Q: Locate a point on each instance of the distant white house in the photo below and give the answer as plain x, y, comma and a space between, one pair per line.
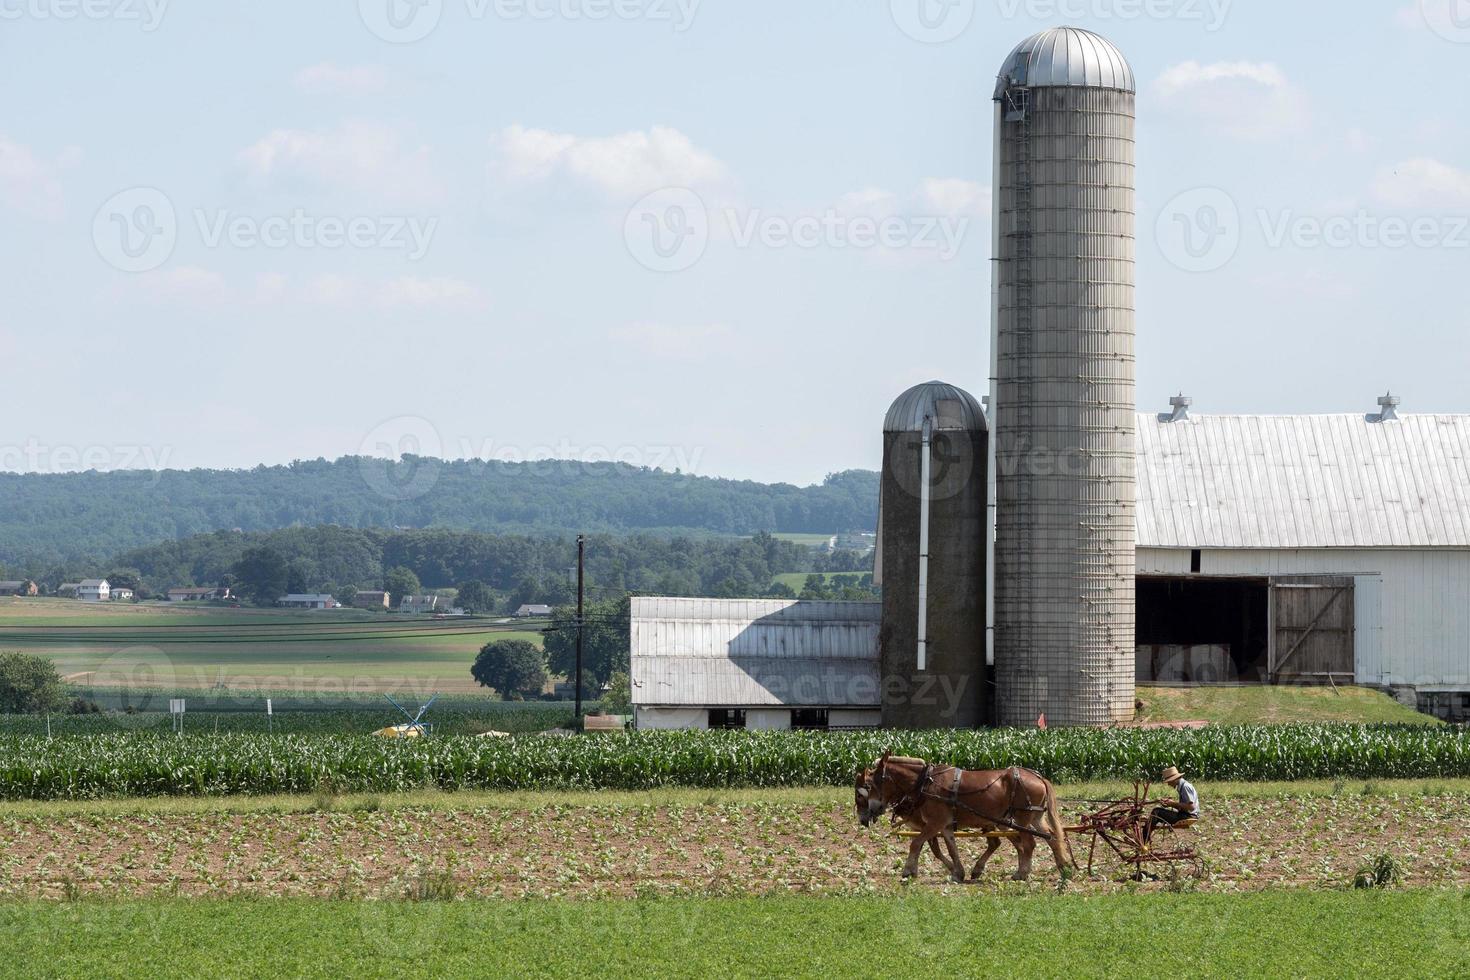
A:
532, 609
122, 595
420, 604
93, 590
309, 601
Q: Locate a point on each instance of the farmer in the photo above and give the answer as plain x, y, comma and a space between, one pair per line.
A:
1171, 812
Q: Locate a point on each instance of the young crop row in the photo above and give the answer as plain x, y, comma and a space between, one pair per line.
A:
133, 764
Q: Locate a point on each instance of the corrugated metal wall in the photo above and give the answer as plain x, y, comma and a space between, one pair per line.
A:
1064, 432
1411, 606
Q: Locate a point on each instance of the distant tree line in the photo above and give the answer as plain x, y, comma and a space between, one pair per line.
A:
72, 520
491, 572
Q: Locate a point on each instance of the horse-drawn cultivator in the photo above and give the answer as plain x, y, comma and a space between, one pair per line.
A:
1124, 826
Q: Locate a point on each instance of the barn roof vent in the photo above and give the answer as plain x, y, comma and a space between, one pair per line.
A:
1387, 409
1179, 409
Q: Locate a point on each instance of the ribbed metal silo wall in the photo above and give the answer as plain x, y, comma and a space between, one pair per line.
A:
949, 692
1064, 418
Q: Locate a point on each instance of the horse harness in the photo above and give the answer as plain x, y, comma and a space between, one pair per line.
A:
915, 797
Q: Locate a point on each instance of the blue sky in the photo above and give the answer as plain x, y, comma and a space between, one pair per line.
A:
251, 232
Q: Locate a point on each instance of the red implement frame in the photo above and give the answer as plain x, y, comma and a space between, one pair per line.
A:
1123, 826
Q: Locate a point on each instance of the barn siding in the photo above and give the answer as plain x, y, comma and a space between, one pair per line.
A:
1419, 632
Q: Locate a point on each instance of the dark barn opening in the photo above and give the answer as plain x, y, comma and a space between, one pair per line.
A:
1202, 630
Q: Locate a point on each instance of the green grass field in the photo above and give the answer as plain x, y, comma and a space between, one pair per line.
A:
796, 580
1417, 933
1274, 705
326, 652
796, 537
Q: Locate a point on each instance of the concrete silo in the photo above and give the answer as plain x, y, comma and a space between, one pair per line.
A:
932, 529
1062, 382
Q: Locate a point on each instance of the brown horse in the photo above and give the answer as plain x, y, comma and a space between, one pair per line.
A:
936, 799
952, 863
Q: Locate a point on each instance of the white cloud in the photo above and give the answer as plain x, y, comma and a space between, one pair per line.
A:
1244, 99
436, 292
1423, 183
358, 156
429, 293
870, 202
29, 185
203, 287
941, 197
683, 343
329, 79
954, 196
628, 164
187, 284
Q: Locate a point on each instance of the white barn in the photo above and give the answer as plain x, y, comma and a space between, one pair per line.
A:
1314, 548
754, 663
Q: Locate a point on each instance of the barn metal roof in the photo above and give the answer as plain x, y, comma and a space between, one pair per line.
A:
1065, 57
1304, 481
756, 652
951, 408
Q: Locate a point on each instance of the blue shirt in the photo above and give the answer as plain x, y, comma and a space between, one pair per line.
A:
1189, 797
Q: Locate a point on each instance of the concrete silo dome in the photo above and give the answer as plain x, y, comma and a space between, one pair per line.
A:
1065, 57
951, 408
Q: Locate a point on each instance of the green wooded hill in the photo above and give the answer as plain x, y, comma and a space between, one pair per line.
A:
92, 516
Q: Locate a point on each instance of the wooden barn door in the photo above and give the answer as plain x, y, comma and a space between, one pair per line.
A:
1312, 629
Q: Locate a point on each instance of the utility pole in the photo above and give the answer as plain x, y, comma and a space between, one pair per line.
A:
581, 549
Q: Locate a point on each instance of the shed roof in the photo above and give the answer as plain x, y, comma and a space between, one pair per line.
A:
1304, 481
754, 652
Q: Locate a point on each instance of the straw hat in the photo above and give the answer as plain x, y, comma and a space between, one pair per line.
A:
1171, 775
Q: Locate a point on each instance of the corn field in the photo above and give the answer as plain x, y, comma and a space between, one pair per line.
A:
157, 763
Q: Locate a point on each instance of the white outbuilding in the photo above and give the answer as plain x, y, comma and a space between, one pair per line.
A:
754, 663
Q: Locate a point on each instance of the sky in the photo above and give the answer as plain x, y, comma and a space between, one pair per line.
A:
713, 235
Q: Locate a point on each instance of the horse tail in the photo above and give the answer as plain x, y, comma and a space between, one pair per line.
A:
1053, 811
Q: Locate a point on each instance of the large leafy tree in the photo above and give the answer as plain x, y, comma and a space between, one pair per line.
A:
475, 597
605, 642
514, 668
400, 582
29, 685
262, 574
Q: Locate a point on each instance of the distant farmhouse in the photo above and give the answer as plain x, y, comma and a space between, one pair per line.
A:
68, 590
532, 609
420, 604
309, 601
93, 590
121, 595
196, 594
23, 587
370, 599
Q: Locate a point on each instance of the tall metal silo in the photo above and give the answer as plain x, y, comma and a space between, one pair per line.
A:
1062, 382
932, 530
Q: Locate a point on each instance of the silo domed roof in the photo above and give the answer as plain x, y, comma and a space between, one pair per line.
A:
1066, 57
951, 408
